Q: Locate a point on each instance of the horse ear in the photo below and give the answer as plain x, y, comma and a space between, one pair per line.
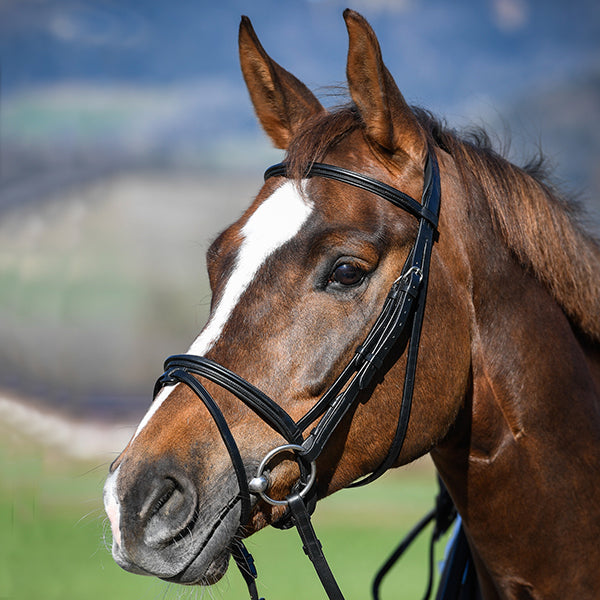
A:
281, 101
390, 122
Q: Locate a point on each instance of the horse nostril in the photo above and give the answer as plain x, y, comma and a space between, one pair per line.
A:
169, 511
170, 499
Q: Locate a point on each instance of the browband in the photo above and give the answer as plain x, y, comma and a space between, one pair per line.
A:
387, 192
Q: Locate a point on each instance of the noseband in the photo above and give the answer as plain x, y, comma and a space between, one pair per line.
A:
400, 317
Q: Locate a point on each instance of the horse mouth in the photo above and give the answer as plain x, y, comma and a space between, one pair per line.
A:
197, 571
198, 556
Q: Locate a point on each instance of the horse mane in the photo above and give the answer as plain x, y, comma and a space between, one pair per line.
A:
538, 224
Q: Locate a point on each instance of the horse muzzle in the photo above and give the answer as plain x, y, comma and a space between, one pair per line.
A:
163, 527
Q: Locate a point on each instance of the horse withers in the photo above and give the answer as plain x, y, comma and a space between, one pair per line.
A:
306, 373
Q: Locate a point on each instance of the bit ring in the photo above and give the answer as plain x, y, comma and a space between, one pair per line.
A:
260, 484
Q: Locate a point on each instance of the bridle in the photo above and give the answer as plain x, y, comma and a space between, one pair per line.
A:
400, 318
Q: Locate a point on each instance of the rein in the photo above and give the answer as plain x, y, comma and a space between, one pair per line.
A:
401, 317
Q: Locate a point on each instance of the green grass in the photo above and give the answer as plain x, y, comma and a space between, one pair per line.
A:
55, 539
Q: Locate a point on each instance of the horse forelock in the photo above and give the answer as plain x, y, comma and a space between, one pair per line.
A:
317, 136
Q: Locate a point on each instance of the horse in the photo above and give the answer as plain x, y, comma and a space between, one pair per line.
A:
321, 364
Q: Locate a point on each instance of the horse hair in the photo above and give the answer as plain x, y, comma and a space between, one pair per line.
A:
537, 223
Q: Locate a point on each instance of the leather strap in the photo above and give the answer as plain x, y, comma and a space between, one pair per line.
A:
312, 546
226, 436
245, 563
275, 416
443, 515
387, 192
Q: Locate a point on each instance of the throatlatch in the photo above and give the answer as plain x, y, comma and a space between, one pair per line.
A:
403, 307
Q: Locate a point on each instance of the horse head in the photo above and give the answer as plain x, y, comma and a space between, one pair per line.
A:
298, 282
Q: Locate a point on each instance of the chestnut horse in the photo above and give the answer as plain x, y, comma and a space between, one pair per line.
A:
506, 392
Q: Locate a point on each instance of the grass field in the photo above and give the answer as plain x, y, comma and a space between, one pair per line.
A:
55, 539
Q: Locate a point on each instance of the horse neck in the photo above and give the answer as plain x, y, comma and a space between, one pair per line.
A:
523, 459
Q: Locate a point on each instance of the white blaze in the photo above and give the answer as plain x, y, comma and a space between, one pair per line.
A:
275, 222
112, 505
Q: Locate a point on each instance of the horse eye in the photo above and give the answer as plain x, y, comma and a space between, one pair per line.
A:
347, 274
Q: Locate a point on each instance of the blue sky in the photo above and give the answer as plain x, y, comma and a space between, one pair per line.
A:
440, 51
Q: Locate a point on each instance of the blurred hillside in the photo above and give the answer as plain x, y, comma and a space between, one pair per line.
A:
127, 142
101, 282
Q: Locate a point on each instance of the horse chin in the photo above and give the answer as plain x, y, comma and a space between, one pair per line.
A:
197, 574
207, 568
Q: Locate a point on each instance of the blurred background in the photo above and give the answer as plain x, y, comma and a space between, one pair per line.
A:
127, 142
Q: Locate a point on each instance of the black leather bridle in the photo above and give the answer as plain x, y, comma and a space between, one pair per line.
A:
400, 317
